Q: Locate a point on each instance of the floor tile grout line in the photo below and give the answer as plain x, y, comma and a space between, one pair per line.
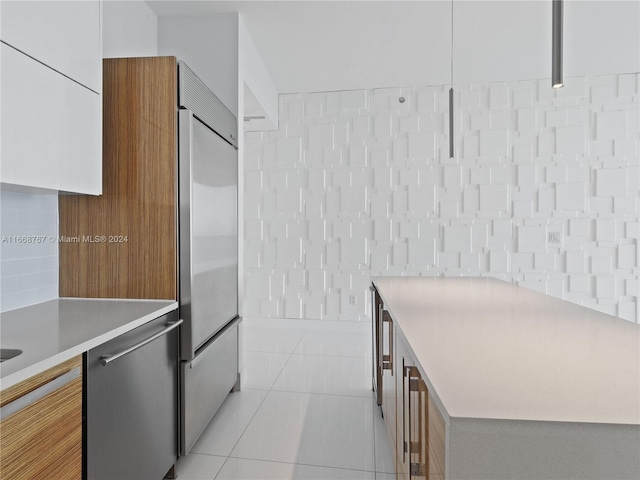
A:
221, 468
205, 454
243, 431
271, 389
314, 324
245, 428
281, 353
257, 409
321, 393
286, 362
367, 357
318, 356
323, 355
377, 411
304, 464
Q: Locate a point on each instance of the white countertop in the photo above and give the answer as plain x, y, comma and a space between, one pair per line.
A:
51, 332
494, 350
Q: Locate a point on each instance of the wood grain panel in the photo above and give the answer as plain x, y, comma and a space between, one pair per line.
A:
403, 360
8, 395
44, 440
436, 442
139, 200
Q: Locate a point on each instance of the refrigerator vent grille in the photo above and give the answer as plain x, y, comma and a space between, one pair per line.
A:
197, 97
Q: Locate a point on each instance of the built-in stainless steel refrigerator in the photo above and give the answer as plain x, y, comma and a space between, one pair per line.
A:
208, 245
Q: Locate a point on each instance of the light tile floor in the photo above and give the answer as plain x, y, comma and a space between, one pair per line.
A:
306, 409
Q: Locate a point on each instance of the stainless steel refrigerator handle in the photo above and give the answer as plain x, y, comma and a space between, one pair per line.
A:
39, 393
236, 321
107, 359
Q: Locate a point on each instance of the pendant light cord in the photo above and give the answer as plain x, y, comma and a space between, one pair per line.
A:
451, 126
451, 43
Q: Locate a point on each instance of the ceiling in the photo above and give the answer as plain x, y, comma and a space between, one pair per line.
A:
311, 46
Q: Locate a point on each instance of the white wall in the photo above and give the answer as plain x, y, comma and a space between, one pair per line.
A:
355, 184
208, 44
129, 29
257, 95
255, 78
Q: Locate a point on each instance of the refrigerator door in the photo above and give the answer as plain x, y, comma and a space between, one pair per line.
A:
210, 376
208, 185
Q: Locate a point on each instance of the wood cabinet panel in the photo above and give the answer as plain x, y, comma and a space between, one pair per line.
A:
404, 360
436, 442
425, 434
44, 439
135, 220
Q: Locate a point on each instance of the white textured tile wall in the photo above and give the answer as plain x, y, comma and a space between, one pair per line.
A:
28, 248
544, 191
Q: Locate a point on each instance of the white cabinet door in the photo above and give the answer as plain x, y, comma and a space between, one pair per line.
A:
65, 35
50, 128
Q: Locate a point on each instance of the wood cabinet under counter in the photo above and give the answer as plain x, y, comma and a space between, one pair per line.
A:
41, 426
494, 381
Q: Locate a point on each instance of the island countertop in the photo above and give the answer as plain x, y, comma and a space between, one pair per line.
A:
493, 350
51, 332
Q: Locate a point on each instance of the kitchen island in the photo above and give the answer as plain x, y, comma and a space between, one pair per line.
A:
527, 386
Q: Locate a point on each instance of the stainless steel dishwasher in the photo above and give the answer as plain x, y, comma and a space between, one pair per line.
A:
132, 403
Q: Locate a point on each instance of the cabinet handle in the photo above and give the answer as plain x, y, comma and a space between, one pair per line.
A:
405, 371
412, 387
420, 446
387, 360
409, 441
377, 338
421, 467
37, 394
107, 359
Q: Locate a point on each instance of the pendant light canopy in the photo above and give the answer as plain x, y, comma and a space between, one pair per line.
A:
557, 77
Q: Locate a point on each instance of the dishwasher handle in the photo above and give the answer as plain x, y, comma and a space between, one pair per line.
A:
107, 359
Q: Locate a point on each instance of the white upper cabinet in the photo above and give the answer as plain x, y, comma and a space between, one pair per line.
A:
50, 84
51, 128
63, 35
